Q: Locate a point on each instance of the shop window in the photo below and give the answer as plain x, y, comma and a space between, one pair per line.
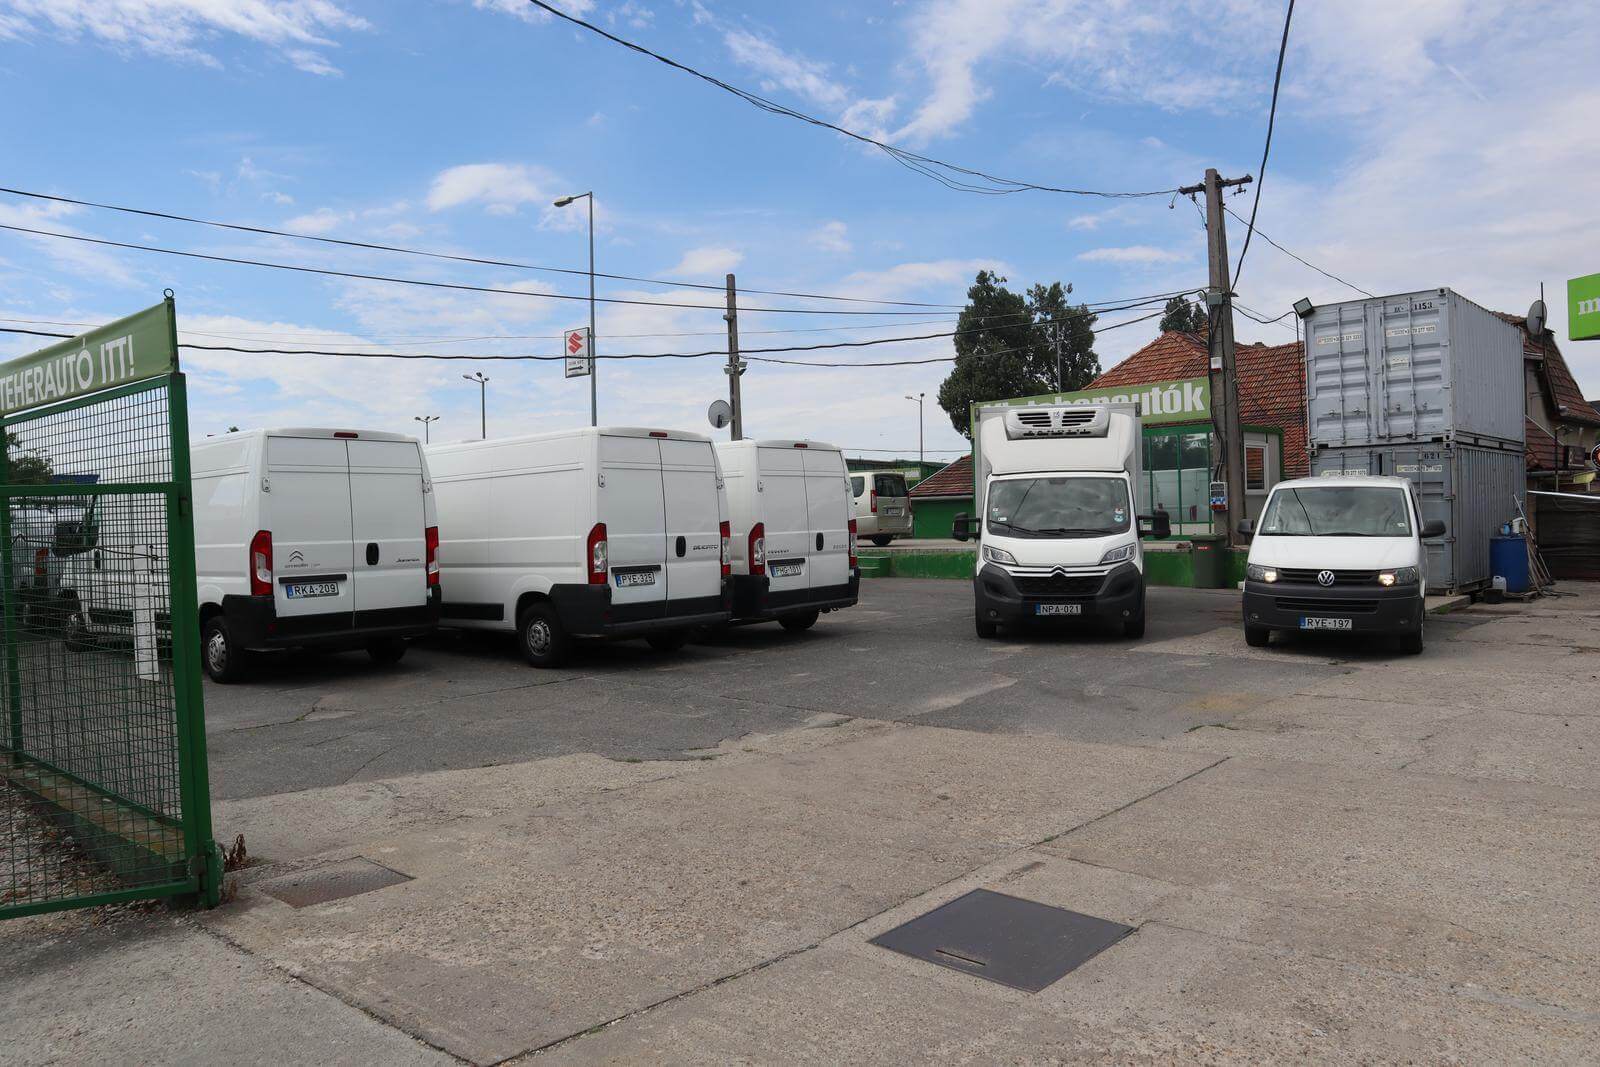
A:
1255, 468
1178, 473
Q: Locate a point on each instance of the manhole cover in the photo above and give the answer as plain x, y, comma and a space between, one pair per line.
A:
332, 881
1019, 943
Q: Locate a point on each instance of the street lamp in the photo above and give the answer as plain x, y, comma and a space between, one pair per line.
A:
426, 421
918, 399
483, 400
594, 410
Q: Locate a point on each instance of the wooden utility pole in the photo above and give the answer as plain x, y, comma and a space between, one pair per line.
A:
735, 367
1219, 339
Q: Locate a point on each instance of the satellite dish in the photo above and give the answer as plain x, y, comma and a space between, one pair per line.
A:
1537, 317
719, 414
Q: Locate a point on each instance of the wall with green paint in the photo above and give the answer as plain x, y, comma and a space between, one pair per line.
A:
933, 518
1168, 568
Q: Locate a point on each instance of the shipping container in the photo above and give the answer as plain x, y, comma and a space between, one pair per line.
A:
1472, 490
1428, 366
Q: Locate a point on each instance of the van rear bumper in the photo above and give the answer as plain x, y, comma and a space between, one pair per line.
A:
587, 611
1371, 609
997, 599
754, 601
255, 624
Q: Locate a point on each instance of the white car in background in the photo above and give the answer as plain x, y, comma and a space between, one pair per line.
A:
882, 506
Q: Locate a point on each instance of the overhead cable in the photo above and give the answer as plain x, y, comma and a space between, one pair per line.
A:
1266, 149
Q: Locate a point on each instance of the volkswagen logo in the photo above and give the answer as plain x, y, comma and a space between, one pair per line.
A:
1324, 578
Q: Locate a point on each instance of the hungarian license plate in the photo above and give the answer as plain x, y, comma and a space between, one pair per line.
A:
1058, 609
1309, 623
627, 578
891, 511
786, 570
306, 590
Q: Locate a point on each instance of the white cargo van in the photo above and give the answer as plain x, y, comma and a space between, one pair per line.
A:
303, 538
598, 532
1340, 554
794, 540
882, 505
1057, 535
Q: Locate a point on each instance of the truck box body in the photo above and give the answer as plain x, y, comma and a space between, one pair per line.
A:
1425, 366
1055, 447
789, 511
1471, 489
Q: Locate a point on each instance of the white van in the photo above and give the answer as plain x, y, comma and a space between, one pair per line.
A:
598, 532
794, 540
882, 505
1340, 554
303, 538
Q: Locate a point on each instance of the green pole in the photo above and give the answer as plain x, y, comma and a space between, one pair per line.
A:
13, 669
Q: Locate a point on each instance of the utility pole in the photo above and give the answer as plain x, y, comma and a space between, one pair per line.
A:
919, 398
735, 367
1219, 340
1061, 376
483, 400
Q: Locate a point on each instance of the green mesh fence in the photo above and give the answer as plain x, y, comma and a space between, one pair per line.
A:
103, 792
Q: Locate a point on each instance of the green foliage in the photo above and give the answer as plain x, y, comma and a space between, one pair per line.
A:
26, 467
1183, 316
1005, 346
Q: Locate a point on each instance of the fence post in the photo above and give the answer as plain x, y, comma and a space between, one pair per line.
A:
9, 593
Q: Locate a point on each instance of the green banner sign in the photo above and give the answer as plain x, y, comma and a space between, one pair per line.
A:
140, 346
1179, 400
1583, 308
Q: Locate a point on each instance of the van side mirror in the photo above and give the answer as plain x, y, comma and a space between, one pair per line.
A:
1433, 528
961, 528
1247, 528
1160, 525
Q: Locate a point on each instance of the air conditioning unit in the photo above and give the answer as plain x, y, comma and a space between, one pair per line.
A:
1064, 420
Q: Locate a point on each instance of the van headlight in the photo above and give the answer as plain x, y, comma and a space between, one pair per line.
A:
1257, 573
1398, 576
1119, 555
998, 555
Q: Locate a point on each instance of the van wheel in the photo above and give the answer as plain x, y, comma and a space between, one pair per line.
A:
76, 632
544, 642
668, 641
1257, 636
985, 629
880, 539
1134, 627
1411, 644
805, 620
389, 650
224, 661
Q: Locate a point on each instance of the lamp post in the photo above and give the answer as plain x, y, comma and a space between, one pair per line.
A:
918, 398
427, 421
594, 409
483, 401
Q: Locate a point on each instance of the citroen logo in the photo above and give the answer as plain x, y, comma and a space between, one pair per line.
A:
1324, 577
1058, 573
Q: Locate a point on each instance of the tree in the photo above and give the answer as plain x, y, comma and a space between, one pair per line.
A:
1182, 316
1005, 346
26, 467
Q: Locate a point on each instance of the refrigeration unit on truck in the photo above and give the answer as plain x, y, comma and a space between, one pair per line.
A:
598, 532
1058, 537
793, 537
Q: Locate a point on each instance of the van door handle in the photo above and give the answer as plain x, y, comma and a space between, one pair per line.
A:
372, 553
682, 546
819, 542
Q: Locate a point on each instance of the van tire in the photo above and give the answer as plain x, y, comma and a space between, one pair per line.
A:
75, 631
389, 650
1257, 636
224, 661
881, 539
667, 640
1134, 628
801, 621
1412, 644
984, 628
542, 638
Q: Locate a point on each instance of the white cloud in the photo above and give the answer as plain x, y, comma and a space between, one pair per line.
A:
1141, 254
1087, 222
299, 30
701, 261
317, 222
780, 69
528, 13
940, 281
499, 187
832, 237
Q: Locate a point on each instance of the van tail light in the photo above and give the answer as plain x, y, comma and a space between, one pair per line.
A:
758, 548
431, 536
852, 543
261, 563
596, 552
41, 565
727, 547
874, 501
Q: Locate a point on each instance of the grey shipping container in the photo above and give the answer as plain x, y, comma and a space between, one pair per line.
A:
1471, 489
1428, 366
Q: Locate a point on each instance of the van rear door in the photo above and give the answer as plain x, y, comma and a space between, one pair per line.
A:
788, 526
388, 528
828, 508
306, 507
693, 510
634, 512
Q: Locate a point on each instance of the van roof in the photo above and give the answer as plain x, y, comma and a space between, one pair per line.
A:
312, 431
780, 442
1375, 480
584, 431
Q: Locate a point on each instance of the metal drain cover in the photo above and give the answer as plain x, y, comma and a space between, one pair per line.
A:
1018, 943
331, 881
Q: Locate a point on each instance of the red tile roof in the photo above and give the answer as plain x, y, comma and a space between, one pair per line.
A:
1272, 384
1569, 401
954, 479
1540, 451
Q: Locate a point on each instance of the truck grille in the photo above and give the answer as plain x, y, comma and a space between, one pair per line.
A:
1059, 584
1308, 576
1326, 605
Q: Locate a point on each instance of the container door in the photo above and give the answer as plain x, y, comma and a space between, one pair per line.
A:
387, 521
788, 522
694, 519
632, 508
307, 509
1431, 471
1339, 405
829, 508
1409, 375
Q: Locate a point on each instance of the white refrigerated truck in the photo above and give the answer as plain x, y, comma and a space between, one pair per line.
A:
1058, 538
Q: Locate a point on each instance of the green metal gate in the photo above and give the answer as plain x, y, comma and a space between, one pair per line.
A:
104, 792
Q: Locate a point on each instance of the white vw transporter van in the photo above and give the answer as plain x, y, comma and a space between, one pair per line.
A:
1055, 488
598, 532
1338, 553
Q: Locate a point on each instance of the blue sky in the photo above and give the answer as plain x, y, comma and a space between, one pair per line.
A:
1450, 143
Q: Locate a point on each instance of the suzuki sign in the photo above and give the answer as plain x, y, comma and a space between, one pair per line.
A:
578, 347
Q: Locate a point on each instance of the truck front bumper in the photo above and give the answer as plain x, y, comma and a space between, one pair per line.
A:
754, 601
587, 611
255, 624
1003, 599
1371, 609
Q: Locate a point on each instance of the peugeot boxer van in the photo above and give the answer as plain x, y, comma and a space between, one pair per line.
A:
1338, 554
598, 532
793, 539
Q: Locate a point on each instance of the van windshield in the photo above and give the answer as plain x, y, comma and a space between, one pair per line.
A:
889, 484
1058, 507
1337, 511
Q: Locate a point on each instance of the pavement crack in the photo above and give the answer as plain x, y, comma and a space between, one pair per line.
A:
1136, 800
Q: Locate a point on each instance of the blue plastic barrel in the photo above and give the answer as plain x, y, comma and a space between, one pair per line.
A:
1508, 559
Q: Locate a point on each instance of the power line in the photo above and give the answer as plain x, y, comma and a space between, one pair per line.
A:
1266, 149
939, 170
1305, 263
480, 260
